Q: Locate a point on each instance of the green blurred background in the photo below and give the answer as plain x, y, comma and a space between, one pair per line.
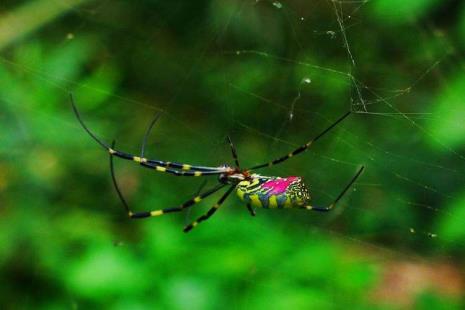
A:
272, 75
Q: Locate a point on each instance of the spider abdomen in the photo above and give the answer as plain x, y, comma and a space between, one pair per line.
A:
273, 192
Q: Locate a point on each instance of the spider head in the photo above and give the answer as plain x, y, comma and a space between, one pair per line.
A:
231, 176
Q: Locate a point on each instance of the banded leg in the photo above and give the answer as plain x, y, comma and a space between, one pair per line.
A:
144, 214
344, 191
303, 147
176, 172
158, 165
197, 193
234, 153
251, 210
151, 163
210, 212
187, 204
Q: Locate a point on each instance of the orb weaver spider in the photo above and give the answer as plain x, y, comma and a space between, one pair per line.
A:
254, 189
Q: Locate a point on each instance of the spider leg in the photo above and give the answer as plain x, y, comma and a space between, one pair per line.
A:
303, 147
210, 212
147, 133
115, 184
158, 165
233, 151
251, 210
150, 163
199, 190
176, 172
344, 191
144, 214
187, 204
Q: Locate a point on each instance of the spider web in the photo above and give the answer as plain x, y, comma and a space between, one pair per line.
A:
270, 87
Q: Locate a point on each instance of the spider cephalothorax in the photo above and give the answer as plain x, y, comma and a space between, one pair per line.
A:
253, 189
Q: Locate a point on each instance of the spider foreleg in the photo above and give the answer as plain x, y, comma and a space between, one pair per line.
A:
158, 165
144, 214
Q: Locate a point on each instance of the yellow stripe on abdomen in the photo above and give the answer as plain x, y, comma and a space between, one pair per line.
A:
272, 202
255, 201
240, 194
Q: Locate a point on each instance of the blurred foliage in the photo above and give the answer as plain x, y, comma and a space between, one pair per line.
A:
399, 11
450, 129
242, 68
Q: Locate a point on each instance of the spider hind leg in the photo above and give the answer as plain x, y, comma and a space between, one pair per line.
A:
341, 194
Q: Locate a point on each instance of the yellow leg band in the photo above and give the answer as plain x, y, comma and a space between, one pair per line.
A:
156, 213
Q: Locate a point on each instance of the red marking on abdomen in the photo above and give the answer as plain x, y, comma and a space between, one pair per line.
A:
279, 186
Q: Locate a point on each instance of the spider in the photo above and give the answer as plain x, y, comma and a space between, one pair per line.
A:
253, 189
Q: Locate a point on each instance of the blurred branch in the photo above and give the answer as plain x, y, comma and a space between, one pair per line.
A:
31, 16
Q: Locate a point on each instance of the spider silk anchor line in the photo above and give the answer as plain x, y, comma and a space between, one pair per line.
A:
253, 189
